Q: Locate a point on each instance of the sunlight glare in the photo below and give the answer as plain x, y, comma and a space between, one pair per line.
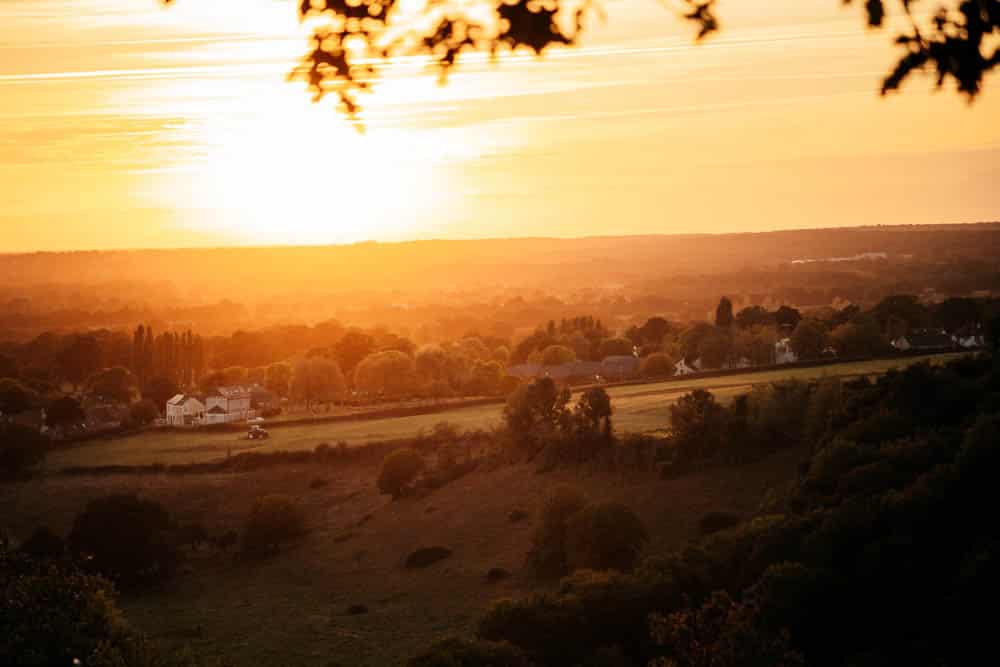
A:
293, 173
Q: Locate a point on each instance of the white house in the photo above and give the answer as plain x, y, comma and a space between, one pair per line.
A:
970, 342
682, 367
184, 410
229, 404
783, 352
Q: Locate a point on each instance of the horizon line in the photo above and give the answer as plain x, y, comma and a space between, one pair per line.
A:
472, 239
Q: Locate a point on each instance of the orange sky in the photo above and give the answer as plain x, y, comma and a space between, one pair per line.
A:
124, 124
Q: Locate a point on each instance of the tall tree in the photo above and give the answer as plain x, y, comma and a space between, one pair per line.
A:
724, 313
80, 358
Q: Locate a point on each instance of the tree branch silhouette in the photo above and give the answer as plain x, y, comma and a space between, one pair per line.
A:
354, 39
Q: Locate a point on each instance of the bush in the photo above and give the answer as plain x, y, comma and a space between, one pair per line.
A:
127, 539
21, 449
52, 616
698, 425
144, 412
274, 521
64, 411
470, 653
399, 471
606, 536
536, 410
658, 364
548, 550
721, 633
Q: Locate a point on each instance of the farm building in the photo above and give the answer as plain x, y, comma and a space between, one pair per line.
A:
184, 410
229, 404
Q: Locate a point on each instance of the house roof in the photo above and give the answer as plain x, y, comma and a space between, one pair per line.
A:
183, 399
217, 410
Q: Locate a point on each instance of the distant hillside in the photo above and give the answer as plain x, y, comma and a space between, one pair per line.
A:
525, 262
426, 282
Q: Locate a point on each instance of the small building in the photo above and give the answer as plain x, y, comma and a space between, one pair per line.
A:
682, 367
924, 340
229, 404
184, 410
783, 352
971, 342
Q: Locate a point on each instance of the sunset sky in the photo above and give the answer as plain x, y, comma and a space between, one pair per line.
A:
127, 124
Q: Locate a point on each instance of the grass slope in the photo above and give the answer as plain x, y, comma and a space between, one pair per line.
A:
292, 610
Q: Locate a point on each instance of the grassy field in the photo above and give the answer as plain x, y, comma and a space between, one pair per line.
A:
638, 408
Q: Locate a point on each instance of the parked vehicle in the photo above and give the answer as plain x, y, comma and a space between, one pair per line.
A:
257, 432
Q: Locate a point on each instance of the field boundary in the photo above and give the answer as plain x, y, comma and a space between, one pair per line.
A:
429, 409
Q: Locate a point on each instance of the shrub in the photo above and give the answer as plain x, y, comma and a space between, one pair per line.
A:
593, 413
399, 471
64, 411
127, 539
470, 653
144, 412
721, 633
658, 364
427, 556
548, 550
274, 521
21, 449
698, 426
56, 616
536, 410
605, 536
